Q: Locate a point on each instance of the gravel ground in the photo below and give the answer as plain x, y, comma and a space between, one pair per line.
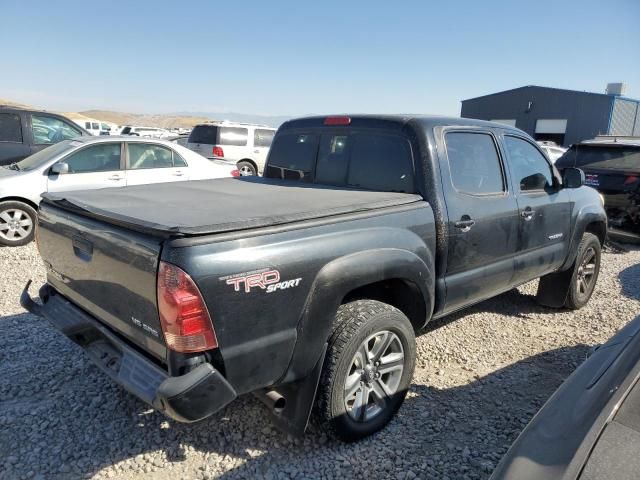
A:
481, 376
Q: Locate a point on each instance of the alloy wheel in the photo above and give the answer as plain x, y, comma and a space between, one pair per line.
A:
374, 375
586, 271
15, 224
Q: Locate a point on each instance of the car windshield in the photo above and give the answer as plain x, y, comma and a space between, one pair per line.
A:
43, 156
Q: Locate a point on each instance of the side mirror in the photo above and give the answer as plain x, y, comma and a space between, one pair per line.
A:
60, 168
572, 177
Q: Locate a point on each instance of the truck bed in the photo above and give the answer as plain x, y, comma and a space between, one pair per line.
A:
223, 205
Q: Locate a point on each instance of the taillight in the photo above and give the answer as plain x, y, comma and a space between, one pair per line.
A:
218, 152
184, 317
235, 172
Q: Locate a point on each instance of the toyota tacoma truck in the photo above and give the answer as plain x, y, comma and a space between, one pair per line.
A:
306, 287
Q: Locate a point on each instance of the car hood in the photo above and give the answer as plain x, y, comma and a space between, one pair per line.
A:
7, 172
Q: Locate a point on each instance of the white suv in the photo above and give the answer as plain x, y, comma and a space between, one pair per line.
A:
244, 144
148, 132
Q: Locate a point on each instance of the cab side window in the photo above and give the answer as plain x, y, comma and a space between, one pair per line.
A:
48, 130
529, 168
144, 155
98, 158
474, 163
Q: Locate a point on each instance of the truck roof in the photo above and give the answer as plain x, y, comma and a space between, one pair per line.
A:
427, 121
200, 207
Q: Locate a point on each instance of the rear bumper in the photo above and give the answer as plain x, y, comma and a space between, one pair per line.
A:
187, 398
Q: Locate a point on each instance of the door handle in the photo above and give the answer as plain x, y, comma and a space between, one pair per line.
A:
115, 177
178, 174
527, 213
465, 223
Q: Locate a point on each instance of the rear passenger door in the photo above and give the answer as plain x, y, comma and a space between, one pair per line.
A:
151, 163
544, 208
482, 224
234, 142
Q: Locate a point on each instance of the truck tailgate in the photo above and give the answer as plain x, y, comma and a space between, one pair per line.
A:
105, 270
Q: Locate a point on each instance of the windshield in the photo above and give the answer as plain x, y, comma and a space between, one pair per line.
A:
43, 156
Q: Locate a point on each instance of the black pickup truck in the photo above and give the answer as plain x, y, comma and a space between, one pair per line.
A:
306, 287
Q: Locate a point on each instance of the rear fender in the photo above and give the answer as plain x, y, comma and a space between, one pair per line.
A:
341, 276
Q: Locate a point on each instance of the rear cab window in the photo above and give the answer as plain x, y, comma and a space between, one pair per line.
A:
368, 159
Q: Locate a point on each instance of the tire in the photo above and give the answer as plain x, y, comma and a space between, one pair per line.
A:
360, 325
17, 223
246, 169
585, 272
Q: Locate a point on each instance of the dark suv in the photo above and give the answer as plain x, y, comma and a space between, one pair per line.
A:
611, 166
25, 132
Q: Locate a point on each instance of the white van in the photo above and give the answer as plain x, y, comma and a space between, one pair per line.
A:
94, 127
148, 132
244, 144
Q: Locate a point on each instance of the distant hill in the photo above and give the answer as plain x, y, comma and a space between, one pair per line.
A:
11, 103
270, 120
145, 120
169, 120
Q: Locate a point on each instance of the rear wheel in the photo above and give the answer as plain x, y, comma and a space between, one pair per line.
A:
17, 223
246, 169
585, 272
367, 370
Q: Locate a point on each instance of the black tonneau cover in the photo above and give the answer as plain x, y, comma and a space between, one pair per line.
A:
224, 205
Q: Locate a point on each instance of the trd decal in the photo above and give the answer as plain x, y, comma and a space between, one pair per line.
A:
265, 279
284, 285
555, 236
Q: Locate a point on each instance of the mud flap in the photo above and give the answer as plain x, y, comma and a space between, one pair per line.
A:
299, 400
553, 288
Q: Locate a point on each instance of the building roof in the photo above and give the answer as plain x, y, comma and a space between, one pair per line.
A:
555, 89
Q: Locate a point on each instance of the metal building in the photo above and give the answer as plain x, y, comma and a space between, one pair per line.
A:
562, 116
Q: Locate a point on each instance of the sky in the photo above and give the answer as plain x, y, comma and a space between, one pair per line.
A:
296, 58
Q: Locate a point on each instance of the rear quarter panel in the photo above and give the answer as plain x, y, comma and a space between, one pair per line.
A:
258, 327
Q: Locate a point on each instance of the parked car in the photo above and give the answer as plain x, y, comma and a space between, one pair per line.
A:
243, 143
95, 128
148, 132
590, 428
553, 151
24, 132
88, 163
612, 166
315, 277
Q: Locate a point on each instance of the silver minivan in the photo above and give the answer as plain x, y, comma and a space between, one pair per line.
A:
244, 144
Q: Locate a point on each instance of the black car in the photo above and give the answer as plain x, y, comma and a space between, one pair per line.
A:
24, 132
590, 428
611, 166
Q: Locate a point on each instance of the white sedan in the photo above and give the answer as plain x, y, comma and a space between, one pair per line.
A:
93, 162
